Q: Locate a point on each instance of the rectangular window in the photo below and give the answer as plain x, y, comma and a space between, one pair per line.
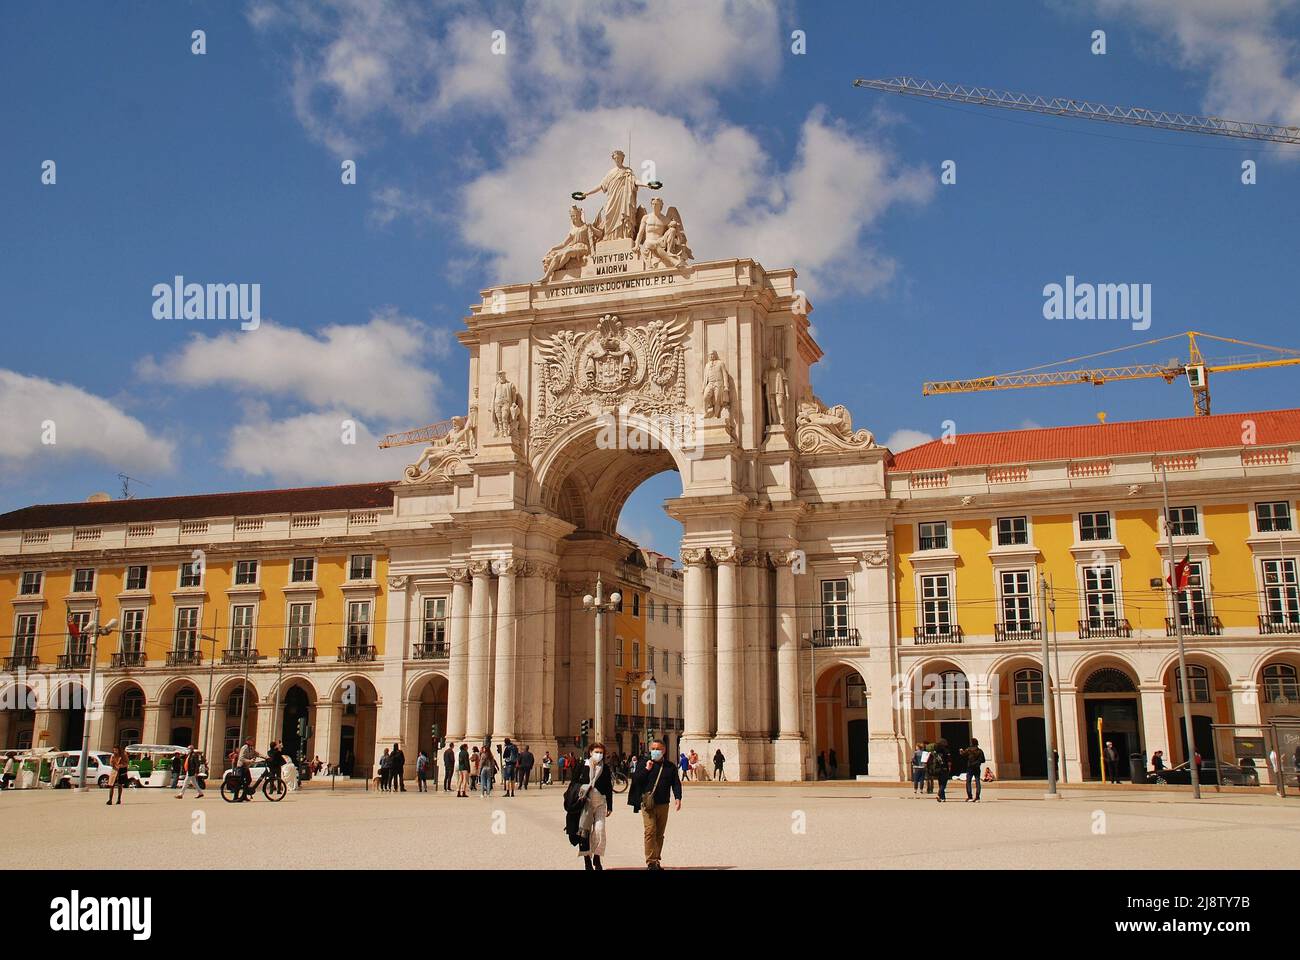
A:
1029, 686
936, 604
25, 635
1094, 526
132, 631
650, 612
665, 611
1281, 599
665, 662
650, 658
81, 644
618, 699
636, 656
187, 629
191, 574
241, 627
304, 569
1273, 517
679, 617
245, 573
1193, 605
636, 605
183, 705
1182, 521
299, 626
1099, 596
1017, 612
679, 707
361, 567
359, 624
31, 583
618, 652
137, 577
435, 621
934, 536
1012, 531
835, 609
679, 669
83, 580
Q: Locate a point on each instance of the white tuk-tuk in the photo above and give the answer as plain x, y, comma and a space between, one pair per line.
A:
150, 764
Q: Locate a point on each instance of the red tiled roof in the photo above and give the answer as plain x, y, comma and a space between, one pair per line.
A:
1100, 440
356, 496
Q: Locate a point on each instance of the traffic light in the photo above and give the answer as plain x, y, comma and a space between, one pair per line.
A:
435, 735
586, 730
303, 730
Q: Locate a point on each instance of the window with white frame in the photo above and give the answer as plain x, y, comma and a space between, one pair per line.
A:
955, 690
1099, 596
241, 627
435, 621
183, 705
1273, 517
618, 699
25, 635
78, 643
1193, 604
636, 655
679, 618
1017, 603
137, 577
1183, 522
299, 626
1013, 531
679, 708
1198, 683
1281, 684
191, 574
855, 692
936, 604
1028, 686
83, 580
1281, 600
650, 608
650, 658
245, 573
31, 584
618, 651
679, 664
359, 624
636, 605
1094, 526
361, 566
665, 661
835, 609
933, 535
304, 570
187, 629
132, 631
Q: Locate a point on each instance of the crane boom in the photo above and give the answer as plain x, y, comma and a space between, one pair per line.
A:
433, 431
1085, 109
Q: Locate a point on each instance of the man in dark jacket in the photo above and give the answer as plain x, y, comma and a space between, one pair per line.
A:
397, 768
509, 766
526, 761
974, 758
448, 766
653, 781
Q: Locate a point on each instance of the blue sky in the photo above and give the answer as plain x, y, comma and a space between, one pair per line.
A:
225, 168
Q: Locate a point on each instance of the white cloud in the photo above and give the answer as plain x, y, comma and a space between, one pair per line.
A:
84, 425
732, 197
1241, 45
378, 368
310, 449
905, 438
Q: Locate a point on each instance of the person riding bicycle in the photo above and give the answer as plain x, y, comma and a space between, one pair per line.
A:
243, 763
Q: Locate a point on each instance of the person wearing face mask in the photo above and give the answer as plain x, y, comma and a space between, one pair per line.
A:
654, 781
596, 787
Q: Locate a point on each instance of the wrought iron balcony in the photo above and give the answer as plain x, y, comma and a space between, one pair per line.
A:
837, 637
128, 658
77, 660
184, 658
1017, 631
1276, 623
620, 721
28, 661
934, 543
240, 655
357, 654
1203, 626
952, 633
297, 654
431, 651
1103, 627
638, 722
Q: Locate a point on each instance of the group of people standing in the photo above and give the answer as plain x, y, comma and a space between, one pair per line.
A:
933, 763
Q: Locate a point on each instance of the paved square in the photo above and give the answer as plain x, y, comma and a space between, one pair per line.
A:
759, 826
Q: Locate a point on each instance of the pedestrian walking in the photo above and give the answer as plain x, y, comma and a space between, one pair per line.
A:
942, 761
834, 765
397, 768
654, 782
509, 767
684, 765
475, 764
719, 761
547, 763
448, 766
821, 765
1112, 762
526, 763
190, 765
422, 773
178, 761
593, 788
974, 759
931, 765
121, 767
487, 772
918, 768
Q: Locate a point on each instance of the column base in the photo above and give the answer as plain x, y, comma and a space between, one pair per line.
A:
888, 760
790, 759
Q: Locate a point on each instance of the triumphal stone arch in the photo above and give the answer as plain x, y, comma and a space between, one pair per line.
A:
627, 358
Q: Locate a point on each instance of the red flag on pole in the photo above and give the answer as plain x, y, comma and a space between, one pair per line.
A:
1182, 574
74, 628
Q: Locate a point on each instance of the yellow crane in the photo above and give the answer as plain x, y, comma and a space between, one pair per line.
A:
1195, 368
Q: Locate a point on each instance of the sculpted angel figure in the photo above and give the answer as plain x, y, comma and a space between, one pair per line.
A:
617, 221
577, 244
661, 237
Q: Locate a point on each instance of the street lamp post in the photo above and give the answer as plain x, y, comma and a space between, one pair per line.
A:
95, 631
1049, 705
599, 605
1182, 654
1063, 773
212, 670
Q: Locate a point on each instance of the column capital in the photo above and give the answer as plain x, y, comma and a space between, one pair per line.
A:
749, 557
694, 557
508, 567
458, 574
874, 558
725, 554
398, 582
480, 568
539, 569
783, 558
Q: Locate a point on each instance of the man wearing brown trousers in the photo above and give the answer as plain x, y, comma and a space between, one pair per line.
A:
654, 782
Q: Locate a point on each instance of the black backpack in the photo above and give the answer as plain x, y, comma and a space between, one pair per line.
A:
572, 798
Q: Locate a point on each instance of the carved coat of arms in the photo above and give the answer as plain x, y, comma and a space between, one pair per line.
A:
639, 369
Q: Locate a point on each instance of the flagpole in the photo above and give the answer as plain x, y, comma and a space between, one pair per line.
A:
1182, 653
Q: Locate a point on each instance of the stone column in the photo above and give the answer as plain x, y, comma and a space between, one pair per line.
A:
458, 661
1067, 702
504, 721
787, 654
150, 731
753, 643
327, 731
695, 646
729, 666
1155, 731
984, 706
550, 614
479, 663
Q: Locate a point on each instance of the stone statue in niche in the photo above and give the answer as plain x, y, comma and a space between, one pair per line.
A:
506, 408
716, 396
777, 388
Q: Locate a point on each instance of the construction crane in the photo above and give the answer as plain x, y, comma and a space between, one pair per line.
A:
1195, 368
434, 431
1085, 109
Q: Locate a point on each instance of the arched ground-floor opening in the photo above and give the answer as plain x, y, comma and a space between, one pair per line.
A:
179, 714
842, 744
1210, 701
426, 718
297, 721
67, 716
357, 707
941, 708
235, 716
124, 713
1110, 712
17, 717
1020, 737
